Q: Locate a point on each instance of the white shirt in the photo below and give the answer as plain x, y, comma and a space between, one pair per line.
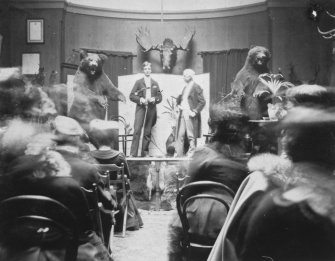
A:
184, 99
147, 81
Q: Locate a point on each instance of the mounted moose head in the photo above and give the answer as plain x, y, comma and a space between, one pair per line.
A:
168, 49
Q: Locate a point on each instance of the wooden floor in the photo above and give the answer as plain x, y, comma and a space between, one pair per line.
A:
147, 244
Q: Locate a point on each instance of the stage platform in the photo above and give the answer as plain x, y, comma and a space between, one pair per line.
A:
154, 170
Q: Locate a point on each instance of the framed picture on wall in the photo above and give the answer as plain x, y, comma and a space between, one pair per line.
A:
30, 63
35, 31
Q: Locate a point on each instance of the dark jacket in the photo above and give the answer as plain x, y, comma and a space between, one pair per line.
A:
139, 88
111, 157
206, 217
85, 173
139, 91
210, 164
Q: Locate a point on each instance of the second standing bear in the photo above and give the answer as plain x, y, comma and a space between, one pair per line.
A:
146, 94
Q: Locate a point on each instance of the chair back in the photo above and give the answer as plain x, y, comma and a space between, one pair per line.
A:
189, 193
119, 180
38, 221
115, 173
94, 209
105, 179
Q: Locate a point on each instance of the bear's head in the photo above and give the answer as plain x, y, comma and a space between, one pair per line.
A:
258, 58
91, 64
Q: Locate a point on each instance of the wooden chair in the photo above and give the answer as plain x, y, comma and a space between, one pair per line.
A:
117, 178
94, 208
38, 221
188, 194
181, 180
105, 179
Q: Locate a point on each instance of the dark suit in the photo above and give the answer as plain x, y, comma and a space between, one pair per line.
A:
138, 92
196, 102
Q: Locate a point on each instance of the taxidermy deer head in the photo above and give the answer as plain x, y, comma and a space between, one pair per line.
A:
168, 49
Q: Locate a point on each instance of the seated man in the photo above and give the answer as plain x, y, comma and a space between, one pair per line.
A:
102, 134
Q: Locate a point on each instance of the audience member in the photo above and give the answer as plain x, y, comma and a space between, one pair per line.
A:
21, 99
68, 133
101, 132
218, 161
310, 95
37, 170
221, 159
284, 209
67, 136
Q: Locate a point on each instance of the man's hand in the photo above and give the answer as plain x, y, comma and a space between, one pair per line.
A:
180, 107
192, 113
143, 101
151, 100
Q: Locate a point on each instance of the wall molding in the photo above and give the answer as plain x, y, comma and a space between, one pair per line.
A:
203, 14
39, 4
287, 3
156, 15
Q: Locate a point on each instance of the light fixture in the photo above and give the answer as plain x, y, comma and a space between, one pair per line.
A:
314, 13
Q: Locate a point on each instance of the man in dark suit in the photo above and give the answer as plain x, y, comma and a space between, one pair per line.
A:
146, 94
190, 104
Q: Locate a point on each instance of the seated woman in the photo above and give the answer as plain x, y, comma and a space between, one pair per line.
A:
37, 170
298, 217
104, 137
310, 96
220, 161
284, 210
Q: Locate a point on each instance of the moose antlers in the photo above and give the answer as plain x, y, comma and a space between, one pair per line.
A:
190, 32
143, 38
168, 49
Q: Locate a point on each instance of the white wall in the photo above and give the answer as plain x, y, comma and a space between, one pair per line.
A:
170, 85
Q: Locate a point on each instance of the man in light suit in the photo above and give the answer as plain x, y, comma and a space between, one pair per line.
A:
146, 94
190, 103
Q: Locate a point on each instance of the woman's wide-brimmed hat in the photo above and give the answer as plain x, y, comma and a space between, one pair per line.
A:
67, 126
308, 116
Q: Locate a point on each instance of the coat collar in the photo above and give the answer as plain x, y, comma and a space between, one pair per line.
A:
143, 81
192, 88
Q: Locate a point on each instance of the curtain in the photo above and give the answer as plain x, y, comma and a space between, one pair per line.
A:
115, 66
222, 67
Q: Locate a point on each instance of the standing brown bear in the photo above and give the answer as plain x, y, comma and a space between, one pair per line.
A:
247, 87
91, 81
